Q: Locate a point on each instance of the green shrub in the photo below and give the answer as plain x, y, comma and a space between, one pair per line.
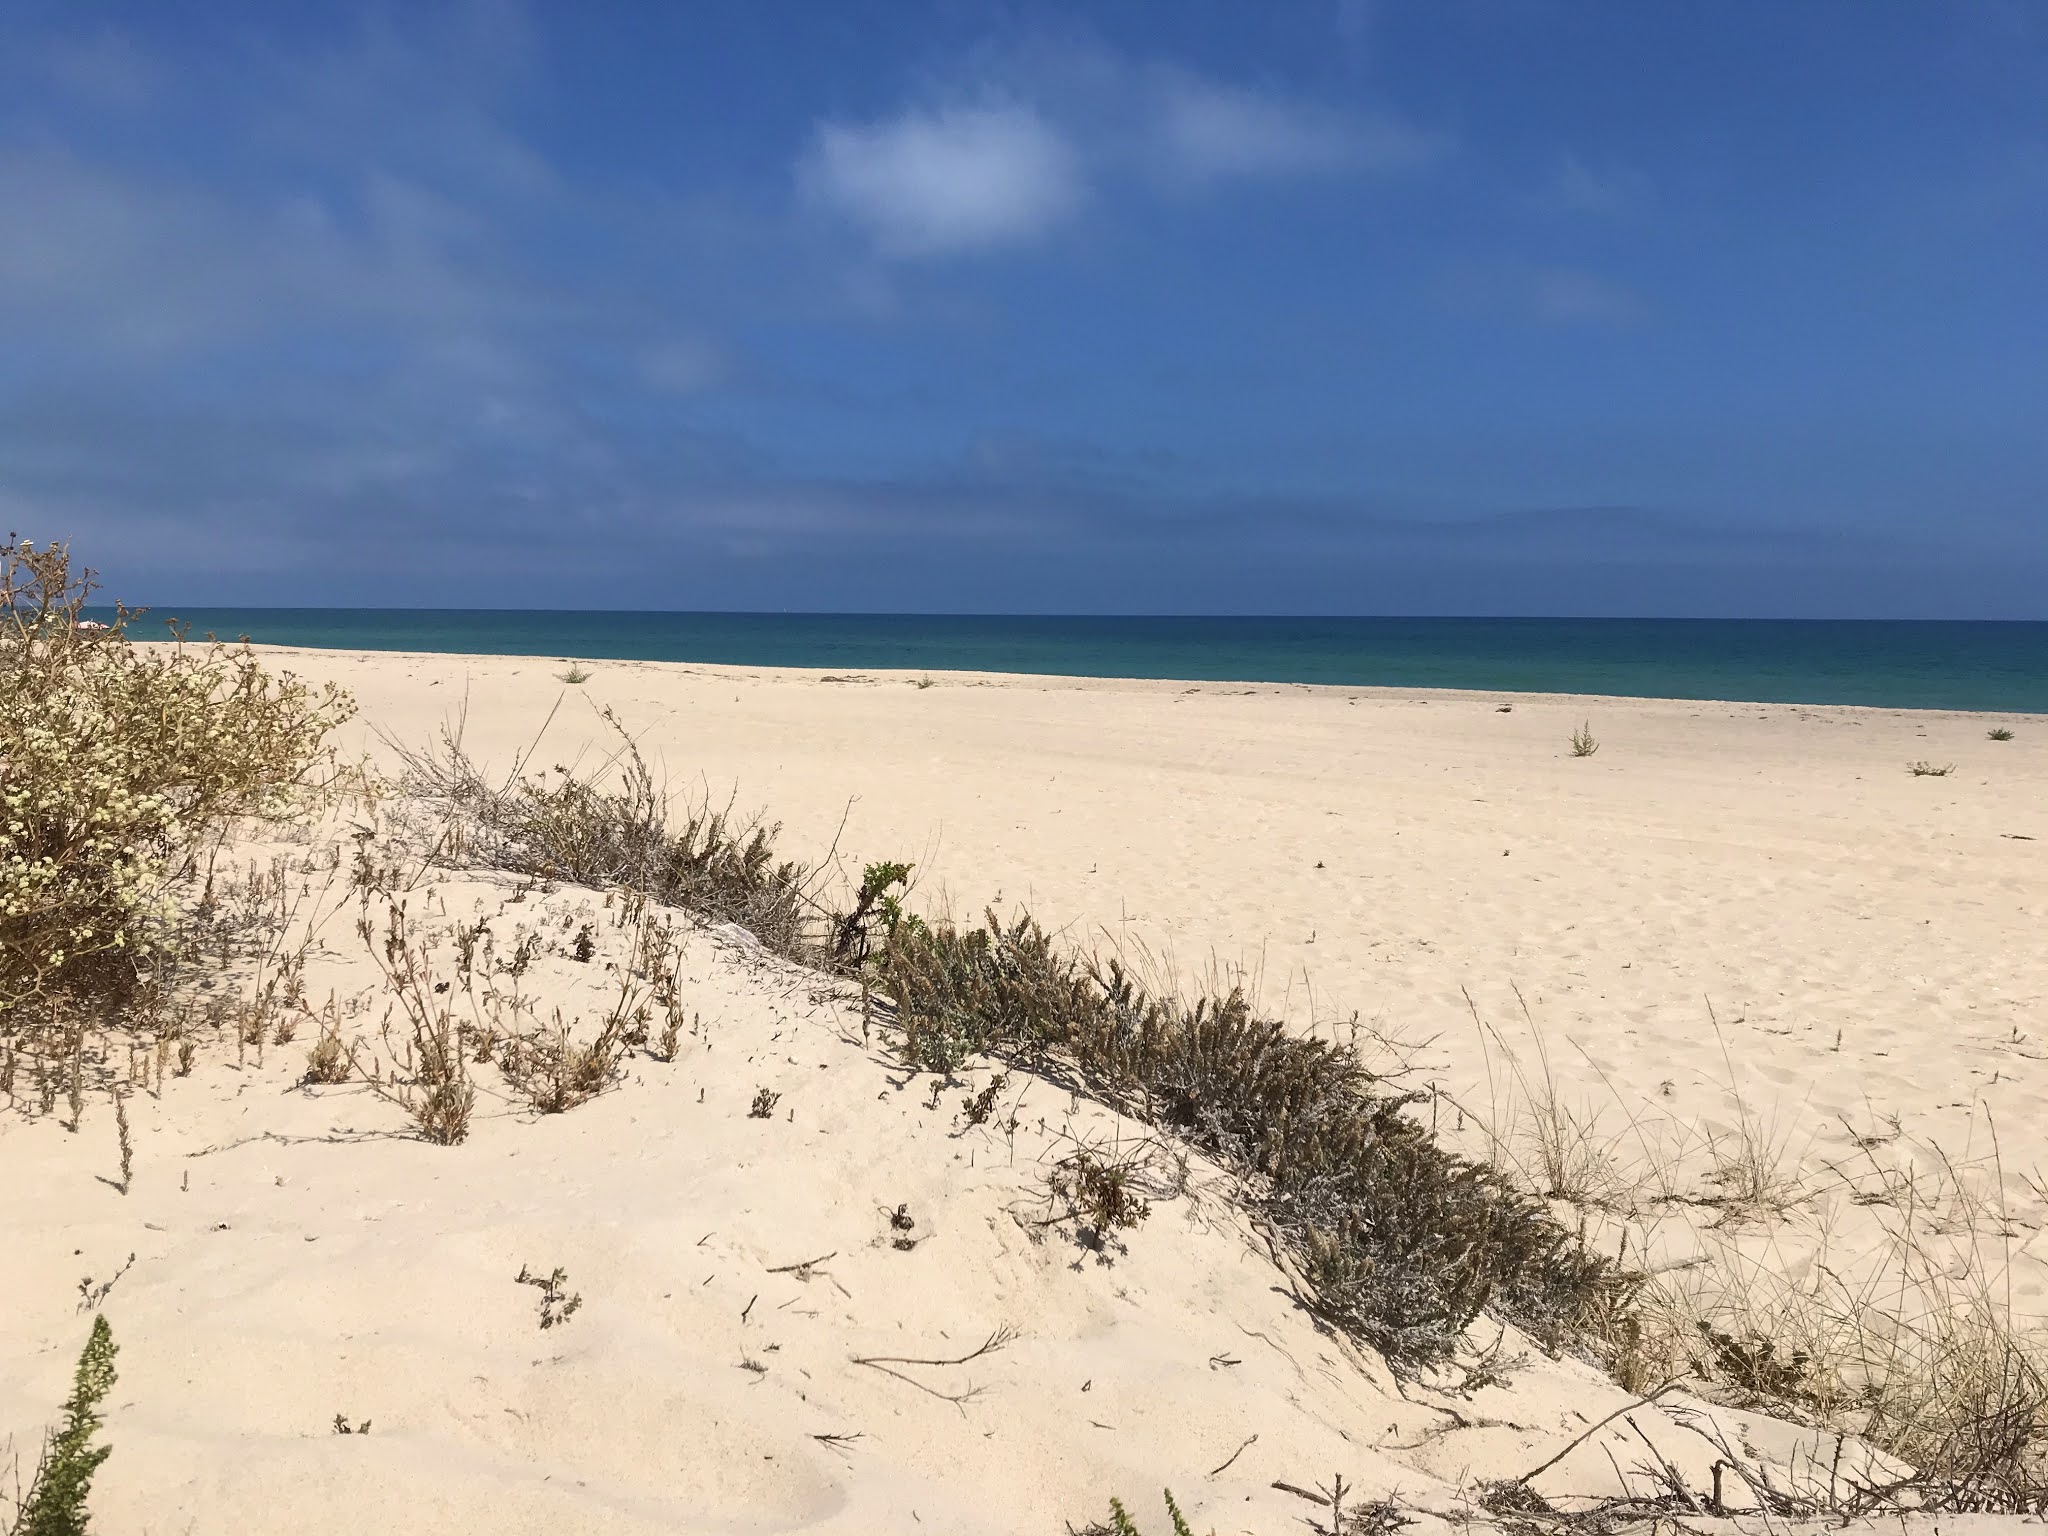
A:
1121, 1523
55, 1504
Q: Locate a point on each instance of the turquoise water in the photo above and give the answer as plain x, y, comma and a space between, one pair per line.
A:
1988, 666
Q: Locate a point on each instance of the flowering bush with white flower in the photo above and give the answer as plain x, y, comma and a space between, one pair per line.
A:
116, 762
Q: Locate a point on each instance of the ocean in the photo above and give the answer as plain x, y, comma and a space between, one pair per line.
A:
1902, 665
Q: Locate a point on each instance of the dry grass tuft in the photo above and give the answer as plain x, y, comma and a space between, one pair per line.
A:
563, 826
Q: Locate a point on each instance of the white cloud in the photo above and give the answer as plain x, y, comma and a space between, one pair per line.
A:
941, 182
1204, 131
1059, 123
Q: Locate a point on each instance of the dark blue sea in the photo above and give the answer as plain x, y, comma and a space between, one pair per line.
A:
1908, 665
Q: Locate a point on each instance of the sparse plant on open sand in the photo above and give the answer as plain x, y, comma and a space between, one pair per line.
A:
422, 1069
1923, 769
124, 1140
1559, 1149
327, 1060
55, 1501
1584, 743
1999, 733
1099, 1193
557, 1302
976, 1108
1121, 1523
554, 1070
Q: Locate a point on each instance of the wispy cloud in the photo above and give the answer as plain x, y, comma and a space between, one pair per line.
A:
1205, 131
940, 182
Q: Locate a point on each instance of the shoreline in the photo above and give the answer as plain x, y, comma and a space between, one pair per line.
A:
1080, 682
1916, 664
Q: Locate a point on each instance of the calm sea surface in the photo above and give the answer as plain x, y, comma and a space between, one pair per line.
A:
1989, 666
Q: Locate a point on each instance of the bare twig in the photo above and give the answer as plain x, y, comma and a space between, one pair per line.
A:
1594, 1429
1249, 1440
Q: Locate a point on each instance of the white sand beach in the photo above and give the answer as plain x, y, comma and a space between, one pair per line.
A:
1735, 935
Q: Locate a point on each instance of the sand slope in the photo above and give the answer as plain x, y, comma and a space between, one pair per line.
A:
299, 1255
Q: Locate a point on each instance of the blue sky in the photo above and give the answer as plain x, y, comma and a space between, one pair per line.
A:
1373, 306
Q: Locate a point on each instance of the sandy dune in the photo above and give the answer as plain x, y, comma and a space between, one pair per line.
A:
1868, 940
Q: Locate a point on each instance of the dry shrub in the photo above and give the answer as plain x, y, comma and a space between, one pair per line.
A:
115, 765
554, 1071
1402, 1242
423, 1071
